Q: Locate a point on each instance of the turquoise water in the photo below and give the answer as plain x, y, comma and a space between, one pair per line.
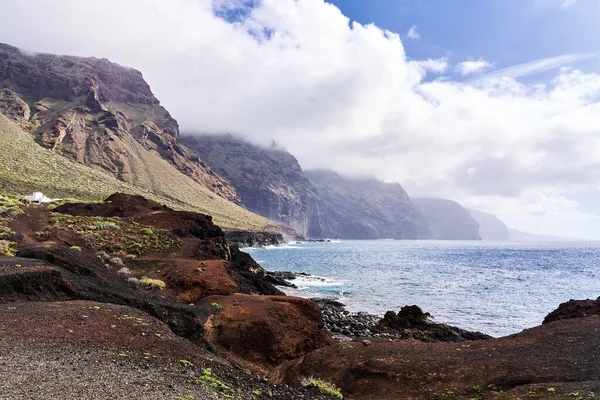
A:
498, 288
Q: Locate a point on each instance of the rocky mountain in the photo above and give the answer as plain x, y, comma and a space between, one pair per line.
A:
366, 209
103, 116
318, 204
269, 181
490, 227
448, 220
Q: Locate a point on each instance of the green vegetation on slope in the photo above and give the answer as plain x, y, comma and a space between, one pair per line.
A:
26, 167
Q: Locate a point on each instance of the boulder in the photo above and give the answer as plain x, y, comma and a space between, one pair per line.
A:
264, 331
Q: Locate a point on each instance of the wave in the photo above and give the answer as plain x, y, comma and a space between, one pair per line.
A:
315, 281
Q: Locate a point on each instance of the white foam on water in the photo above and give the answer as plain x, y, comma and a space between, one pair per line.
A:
315, 281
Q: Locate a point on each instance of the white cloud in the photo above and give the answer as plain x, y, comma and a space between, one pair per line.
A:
343, 95
471, 67
567, 3
412, 33
437, 66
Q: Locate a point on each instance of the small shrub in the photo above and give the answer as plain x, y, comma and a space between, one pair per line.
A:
186, 363
124, 271
7, 248
209, 379
153, 284
324, 387
146, 231
75, 248
101, 225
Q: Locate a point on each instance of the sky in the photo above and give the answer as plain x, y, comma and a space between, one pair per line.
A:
495, 104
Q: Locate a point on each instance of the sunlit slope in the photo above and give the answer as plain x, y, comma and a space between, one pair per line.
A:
26, 167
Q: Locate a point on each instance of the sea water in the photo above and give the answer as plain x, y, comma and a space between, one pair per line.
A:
498, 288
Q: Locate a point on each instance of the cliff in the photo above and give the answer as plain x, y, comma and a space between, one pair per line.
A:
317, 204
269, 181
448, 220
490, 227
103, 116
366, 209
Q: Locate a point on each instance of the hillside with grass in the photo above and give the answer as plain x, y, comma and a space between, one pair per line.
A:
26, 166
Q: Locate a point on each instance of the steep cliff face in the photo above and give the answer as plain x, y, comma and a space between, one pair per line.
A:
490, 227
99, 114
365, 209
269, 181
448, 220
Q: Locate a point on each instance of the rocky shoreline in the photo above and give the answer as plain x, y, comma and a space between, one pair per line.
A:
130, 288
408, 323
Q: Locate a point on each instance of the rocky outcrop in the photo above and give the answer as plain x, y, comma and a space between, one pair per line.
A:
14, 107
410, 323
269, 181
264, 331
107, 251
448, 220
99, 114
574, 309
365, 209
549, 361
490, 227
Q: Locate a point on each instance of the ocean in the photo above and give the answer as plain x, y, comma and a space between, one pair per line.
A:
498, 288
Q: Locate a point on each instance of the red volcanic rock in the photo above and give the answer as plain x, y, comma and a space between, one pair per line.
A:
194, 280
574, 309
264, 330
562, 351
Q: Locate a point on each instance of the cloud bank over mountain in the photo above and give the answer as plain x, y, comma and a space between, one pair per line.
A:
345, 96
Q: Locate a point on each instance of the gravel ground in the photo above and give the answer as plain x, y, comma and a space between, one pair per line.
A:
88, 350
36, 371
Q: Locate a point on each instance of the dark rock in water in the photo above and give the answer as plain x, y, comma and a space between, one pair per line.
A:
281, 278
254, 239
407, 317
409, 323
574, 309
